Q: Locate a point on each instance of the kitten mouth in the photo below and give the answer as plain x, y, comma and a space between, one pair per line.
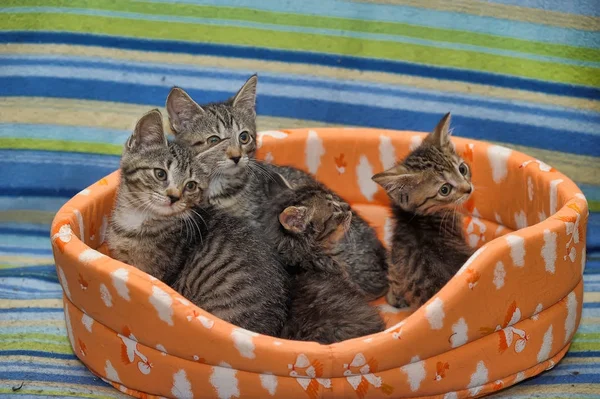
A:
231, 168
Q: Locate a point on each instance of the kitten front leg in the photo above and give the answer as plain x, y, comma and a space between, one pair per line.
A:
398, 285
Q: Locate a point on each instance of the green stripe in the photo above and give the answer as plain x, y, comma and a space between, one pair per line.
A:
20, 265
585, 346
36, 346
587, 336
314, 21
572, 74
58, 339
60, 145
594, 206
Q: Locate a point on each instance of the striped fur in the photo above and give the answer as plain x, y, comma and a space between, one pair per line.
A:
242, 188
215, 260
428, 246
306, 224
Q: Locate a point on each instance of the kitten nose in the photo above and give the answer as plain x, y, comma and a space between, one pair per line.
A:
470, 190
235, 159
173, 198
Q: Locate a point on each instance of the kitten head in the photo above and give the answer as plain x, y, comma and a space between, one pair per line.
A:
431, 177
205, 126
316, 217
157, 177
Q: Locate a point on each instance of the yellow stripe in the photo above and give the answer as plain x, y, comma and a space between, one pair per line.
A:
102, 114
551, 391
26, 216
591, 297
32, 323
590, 320
303, 69
93, 391
580, 360
25, 260
37, 303
502, 11
40, 360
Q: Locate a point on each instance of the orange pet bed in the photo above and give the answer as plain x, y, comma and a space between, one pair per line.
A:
509, 313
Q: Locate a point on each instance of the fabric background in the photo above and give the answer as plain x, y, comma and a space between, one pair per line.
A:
75, 75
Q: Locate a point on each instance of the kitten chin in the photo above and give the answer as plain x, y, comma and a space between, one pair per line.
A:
427, 246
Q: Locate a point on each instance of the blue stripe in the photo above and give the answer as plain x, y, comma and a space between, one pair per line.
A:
48, 269
31, 310
64, 193
32, 376
38, 354
310, 109
591, 305
299, 83
25, 232
332, 60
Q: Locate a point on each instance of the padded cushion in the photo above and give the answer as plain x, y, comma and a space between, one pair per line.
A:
507, 315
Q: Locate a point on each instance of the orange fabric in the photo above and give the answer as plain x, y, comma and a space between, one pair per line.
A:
509, 313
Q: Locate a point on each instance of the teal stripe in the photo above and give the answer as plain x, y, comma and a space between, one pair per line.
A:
64, 132
51, 204
415, 16
25, 242
581, 7
295, 29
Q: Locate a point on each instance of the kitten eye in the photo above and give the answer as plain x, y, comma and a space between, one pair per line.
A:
212, 140
160, 174
191, 186
463, 169
244, 137
445, 190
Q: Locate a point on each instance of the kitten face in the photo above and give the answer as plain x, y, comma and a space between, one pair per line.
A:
203, 127
430, 178
317, 218
159, 178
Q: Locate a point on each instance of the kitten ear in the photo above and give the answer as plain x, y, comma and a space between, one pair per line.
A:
388, 179
440, 137
397, 178
148, 131
181, 108
246, 97
294, 218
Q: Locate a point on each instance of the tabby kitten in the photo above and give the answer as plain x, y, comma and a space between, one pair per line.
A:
428, 246
326, 306
239, 181
213, 259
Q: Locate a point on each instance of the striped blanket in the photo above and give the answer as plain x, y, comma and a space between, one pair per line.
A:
75, 75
